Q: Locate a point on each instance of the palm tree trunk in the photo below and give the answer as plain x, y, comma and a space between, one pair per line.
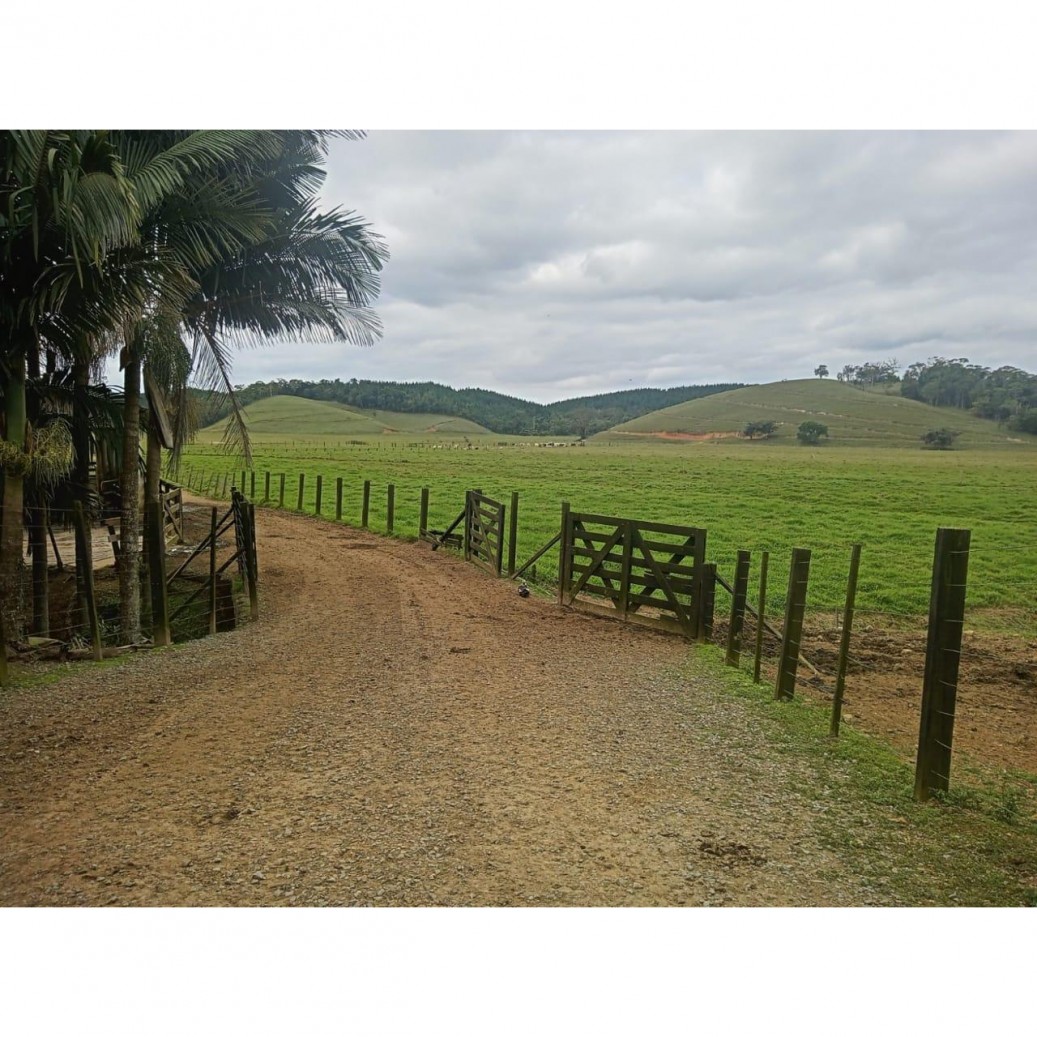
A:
40, 578
129, 532
36, 510
11, 513
81, 469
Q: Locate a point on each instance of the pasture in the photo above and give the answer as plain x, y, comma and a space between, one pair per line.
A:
754, 496
854, 417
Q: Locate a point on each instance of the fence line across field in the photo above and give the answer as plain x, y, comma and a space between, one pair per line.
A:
623, 567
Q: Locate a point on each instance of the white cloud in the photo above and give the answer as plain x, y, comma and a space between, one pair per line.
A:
545, 264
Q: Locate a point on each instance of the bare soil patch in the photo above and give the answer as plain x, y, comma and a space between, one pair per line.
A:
400, 729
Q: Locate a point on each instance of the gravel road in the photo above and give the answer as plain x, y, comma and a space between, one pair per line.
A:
399, 729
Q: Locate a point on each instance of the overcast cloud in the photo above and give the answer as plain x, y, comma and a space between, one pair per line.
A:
555, 264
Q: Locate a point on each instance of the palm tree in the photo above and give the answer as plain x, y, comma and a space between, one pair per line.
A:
264, 263
63, 203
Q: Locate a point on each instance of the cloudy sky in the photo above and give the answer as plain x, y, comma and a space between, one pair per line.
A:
553, 264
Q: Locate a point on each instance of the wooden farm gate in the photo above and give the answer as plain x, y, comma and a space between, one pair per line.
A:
634, 566
482, 540
484, 531
240, 517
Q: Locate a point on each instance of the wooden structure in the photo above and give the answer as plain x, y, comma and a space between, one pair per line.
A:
240, 517
942, 657
643, 572
484, 531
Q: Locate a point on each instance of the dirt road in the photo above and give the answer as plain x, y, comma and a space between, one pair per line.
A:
399, 729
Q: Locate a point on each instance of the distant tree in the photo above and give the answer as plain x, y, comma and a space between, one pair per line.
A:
760, 429
940, 438
811, 432
821, 370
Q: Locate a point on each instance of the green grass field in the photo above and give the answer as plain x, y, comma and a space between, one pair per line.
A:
754, 496
854, 417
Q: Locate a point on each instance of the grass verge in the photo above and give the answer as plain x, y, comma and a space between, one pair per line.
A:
976, 846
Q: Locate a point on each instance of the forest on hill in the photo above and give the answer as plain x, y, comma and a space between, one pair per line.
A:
508, 415
1007, 395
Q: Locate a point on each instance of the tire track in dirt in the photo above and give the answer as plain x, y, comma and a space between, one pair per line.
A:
398, 729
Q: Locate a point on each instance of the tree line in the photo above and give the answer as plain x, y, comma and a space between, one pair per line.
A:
166, 249
1007, 395
508, 415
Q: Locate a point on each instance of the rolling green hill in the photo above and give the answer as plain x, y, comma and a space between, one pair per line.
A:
854, 417
287, 417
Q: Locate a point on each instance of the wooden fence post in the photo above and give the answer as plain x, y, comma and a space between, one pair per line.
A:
243, 474
320, 490
390, 507
513, 532
83, 555
366, 506
251, 485
423, 512
760, 615
708, 593
338, 499
942, 657
563, 552
248, 514
468, 524
792, 629
266, 487
302, 483
844, 641
280, 499
212, 571
738, 596
157, 573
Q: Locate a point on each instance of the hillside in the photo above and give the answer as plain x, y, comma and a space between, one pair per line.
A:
854, 417
507, 415
293, 416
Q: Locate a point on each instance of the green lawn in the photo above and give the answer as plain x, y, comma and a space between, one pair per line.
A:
750, 496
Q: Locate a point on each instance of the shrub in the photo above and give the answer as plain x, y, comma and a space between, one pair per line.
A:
940, 438
811, 432
761, 429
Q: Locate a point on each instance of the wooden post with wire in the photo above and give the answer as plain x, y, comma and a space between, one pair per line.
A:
266, 487
942, 658
365, 512
761, 613
738, 598
563, 553
707, 599
280, 499
320, 493
302, 484
338, 499
792, 629
251, 485
157, 573
390, 507
423, 512
513, 532
248, 514
212, 570
844, 641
